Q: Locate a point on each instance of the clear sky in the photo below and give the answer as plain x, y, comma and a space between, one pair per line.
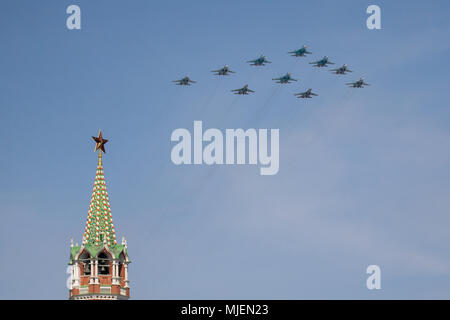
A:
364, 174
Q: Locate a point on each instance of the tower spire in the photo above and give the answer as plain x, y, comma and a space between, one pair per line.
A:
99, 268
99, 225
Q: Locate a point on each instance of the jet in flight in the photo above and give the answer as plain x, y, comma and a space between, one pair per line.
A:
322, 62
243, 90
341, 70
358, 84
186, 81
261, 61
302, 52
307, 94
284, 79
223, 71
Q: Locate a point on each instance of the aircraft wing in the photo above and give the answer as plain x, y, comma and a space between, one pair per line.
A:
313, 94
249, 90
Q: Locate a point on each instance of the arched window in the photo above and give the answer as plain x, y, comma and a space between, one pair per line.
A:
103, 264
121, 269
85, 259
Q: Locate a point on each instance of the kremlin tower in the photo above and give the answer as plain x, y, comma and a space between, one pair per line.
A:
99, 267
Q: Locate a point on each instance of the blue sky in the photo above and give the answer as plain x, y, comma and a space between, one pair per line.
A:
364, 174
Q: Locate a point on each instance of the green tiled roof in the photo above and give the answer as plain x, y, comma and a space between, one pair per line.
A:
99, 223
99, 231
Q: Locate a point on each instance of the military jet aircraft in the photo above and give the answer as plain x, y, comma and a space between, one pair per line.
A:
243, 90
322, 62
302, 52
186, 81
284, 79
261, 61
223, 71
307, 94
358, 84
341, 70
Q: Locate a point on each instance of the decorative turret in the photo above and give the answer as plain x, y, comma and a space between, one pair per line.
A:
100, 265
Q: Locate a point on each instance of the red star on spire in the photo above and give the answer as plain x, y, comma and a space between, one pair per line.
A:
100, 142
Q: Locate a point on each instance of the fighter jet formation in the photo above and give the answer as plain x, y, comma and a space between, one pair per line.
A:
285, 79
